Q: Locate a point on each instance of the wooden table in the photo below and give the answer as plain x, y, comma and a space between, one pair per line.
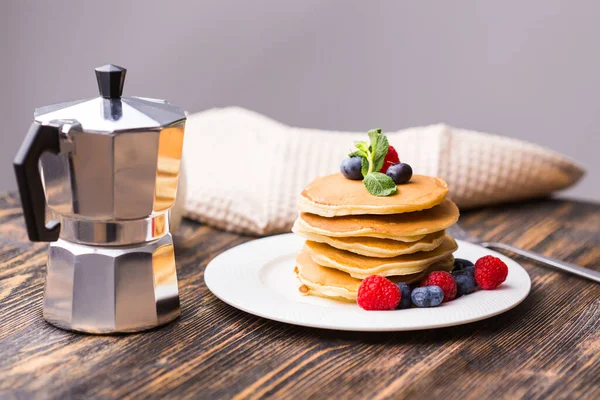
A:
547, 347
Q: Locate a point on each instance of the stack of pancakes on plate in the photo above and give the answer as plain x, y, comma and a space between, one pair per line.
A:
352, 234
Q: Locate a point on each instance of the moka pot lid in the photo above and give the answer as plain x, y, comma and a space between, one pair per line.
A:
110, 112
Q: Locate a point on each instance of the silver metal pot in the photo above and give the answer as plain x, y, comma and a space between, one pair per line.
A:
109, 174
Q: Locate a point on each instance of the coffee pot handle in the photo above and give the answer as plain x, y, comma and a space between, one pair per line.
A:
39, 139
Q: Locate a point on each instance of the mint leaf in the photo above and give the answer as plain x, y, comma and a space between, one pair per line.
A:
364, 168
372, 157
374, 135
378, 149
379, 184
379, 152
358, 153
362, 146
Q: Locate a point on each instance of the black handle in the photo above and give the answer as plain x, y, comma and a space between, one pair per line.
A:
39, 139
111, 79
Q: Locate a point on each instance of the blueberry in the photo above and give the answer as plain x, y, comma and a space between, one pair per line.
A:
400, 173
351, 168
465, 281
460, 263
427, 296
465, 271
405, 299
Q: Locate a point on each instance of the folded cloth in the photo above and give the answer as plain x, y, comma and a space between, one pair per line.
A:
245, 172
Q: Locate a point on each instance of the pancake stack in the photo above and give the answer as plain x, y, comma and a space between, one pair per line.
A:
352, 234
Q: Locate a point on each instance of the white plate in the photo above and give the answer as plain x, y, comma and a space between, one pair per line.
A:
257, 277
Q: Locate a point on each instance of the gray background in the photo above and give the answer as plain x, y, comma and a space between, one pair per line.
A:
529, 69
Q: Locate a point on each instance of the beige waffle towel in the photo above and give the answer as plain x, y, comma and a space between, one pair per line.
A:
244, 171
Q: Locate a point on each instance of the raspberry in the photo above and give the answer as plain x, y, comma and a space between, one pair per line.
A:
444, 280
391, 158
377, 293
490, 272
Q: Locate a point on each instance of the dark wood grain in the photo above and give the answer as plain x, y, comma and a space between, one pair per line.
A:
548, 347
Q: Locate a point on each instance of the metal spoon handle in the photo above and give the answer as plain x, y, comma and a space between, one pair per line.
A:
563, 266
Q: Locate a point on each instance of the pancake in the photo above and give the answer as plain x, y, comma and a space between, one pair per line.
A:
361, 266
334, 195
408, 227
374, 247
317, 280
